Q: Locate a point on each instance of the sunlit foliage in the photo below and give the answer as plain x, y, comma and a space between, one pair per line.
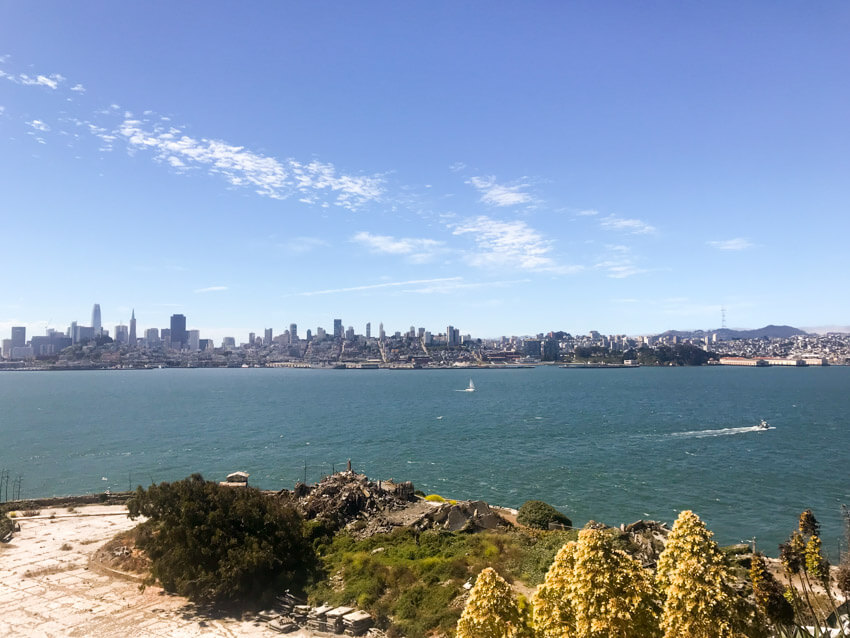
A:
491, 611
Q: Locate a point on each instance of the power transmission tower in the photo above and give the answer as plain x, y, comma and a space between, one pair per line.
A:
723, 317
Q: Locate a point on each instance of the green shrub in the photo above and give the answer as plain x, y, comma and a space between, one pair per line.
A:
538, 515
6, 525
215, 543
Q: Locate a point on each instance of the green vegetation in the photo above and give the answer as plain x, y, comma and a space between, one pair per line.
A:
6, 525
214, 543
683, 354
416, 579
538, 515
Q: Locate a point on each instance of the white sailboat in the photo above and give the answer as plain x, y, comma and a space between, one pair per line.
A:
471, 387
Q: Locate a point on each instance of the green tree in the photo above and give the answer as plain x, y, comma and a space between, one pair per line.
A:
768, 594
215, 543
539, 514
611, 594
698, 599
553, 612
491, 611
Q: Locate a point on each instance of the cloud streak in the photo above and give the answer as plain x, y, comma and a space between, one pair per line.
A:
416, 250
509, 244
316, 182
500, 194
391, 284
621, 224
738, 243
211, 289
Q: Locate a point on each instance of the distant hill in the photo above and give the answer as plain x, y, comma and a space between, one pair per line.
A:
725, 334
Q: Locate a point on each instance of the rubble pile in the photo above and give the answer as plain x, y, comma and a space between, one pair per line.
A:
464, 516
648, 539
345, 497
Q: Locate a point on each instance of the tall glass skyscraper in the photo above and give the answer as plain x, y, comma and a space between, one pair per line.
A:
96, 324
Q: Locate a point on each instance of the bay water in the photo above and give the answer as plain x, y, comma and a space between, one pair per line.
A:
613, 445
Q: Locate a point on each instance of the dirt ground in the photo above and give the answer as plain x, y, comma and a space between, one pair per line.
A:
47, 587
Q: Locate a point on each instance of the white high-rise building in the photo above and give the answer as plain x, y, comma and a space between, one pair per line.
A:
194, 340
96, 325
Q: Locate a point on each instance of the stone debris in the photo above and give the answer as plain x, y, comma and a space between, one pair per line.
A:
344, 497
464, 516
648, 539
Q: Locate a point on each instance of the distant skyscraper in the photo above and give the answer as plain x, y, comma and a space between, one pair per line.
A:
309, 335
338, 333
19, 336
133, 328
251, 337
194, 340
368, 330
96, 325
267, 340
293, 332
121, 334
179, 337
349, 334
152, 337
381, 334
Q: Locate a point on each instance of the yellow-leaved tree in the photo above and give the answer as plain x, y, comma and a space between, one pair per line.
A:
552, 610
491, 611
694, 580
611, 594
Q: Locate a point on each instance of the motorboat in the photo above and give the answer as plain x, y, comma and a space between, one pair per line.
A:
763, 425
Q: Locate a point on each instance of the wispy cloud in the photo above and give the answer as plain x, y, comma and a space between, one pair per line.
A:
78, 88
449, 287
211, 289
633, 226
417, 250
588, 213
391, 284
51, 81
510, 244
38, 125
738, 243
619, 263
303, 245
315, 181
500, 194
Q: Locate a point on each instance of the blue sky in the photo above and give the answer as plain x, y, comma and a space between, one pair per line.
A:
507, 168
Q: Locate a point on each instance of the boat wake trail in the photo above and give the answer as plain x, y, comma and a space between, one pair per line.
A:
700, 434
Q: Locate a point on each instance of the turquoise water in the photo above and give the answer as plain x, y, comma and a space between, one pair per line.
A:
610, 445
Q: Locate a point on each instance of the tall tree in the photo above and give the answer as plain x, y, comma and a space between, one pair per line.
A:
552, 610
611, 594
698, 599
491, 611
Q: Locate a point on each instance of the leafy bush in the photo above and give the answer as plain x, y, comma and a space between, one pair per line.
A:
6, 525
435, 498
215, 543
538, 514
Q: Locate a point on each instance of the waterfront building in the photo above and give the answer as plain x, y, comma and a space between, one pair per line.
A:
96, 325
132, 336
179, 337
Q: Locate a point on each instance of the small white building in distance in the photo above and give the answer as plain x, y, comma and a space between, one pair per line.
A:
236, 479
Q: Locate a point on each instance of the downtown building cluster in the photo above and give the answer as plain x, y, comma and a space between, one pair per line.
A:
93, 346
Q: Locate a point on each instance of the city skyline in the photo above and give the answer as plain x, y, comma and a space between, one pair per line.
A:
502, 169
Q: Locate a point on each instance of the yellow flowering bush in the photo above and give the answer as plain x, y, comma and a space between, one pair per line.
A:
698, 601
552, 611
491, 611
